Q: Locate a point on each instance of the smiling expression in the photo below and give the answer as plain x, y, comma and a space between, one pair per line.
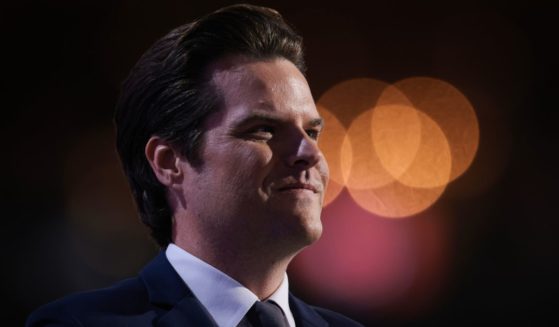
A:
262, 175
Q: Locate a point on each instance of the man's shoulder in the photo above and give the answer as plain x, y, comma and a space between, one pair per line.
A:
304, 312
126, 298
334, 318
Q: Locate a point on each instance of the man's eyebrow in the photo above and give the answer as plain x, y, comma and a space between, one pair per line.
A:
270, 118
256, 117
317, 122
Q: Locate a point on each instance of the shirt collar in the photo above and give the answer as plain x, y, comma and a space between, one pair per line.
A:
281, 298
224, 298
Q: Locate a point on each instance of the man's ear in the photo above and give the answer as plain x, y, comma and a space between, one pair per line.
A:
164, 161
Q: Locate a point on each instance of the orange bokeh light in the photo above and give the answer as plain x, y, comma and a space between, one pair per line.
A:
396, 200
432, 162
330, 143
396, 137
452, 112
396, 147
348, 99
363, 170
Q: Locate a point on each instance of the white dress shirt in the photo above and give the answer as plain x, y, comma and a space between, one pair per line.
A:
224, 298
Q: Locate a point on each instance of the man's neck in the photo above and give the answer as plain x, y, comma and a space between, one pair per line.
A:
259, 269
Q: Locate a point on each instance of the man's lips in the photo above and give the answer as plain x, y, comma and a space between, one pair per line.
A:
299, 186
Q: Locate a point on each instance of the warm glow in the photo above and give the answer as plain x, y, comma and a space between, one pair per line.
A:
330, 143
432, 162
360, 258
396, 200
338, 106
364, 170
371, 262
348, 99
392, 151
401, 144
396, 136
452, 112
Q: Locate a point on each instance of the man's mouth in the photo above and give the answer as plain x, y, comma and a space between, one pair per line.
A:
299, 186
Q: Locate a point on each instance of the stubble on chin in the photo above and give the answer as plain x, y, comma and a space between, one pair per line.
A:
306, 225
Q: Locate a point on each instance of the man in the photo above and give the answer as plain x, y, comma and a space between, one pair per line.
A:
217, 133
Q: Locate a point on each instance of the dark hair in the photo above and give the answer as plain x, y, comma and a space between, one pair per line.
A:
167, 93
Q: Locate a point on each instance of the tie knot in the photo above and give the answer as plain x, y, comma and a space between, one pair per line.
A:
267, 314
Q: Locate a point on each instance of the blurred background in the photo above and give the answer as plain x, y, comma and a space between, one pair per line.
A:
473, 241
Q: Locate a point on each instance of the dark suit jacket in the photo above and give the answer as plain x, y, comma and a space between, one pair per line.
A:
157, 297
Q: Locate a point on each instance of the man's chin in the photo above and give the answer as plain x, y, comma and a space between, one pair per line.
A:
313, 235
307, 230
300, 224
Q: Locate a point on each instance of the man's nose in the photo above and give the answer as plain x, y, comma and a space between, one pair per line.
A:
304, 153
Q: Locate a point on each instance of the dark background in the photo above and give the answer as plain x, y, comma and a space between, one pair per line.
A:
68, 221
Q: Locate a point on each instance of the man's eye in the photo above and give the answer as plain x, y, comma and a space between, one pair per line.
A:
313, 133
262, 132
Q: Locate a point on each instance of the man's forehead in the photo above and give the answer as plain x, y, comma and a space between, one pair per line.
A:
273, 88
235, 73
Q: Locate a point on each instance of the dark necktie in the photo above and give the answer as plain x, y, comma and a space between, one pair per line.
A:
264, 314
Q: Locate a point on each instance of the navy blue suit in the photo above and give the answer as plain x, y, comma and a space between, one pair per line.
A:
157, 297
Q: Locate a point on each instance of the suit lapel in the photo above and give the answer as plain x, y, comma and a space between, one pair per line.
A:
176, 304
304, 314
188, 312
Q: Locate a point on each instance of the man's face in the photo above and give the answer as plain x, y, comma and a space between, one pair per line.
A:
262, 176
